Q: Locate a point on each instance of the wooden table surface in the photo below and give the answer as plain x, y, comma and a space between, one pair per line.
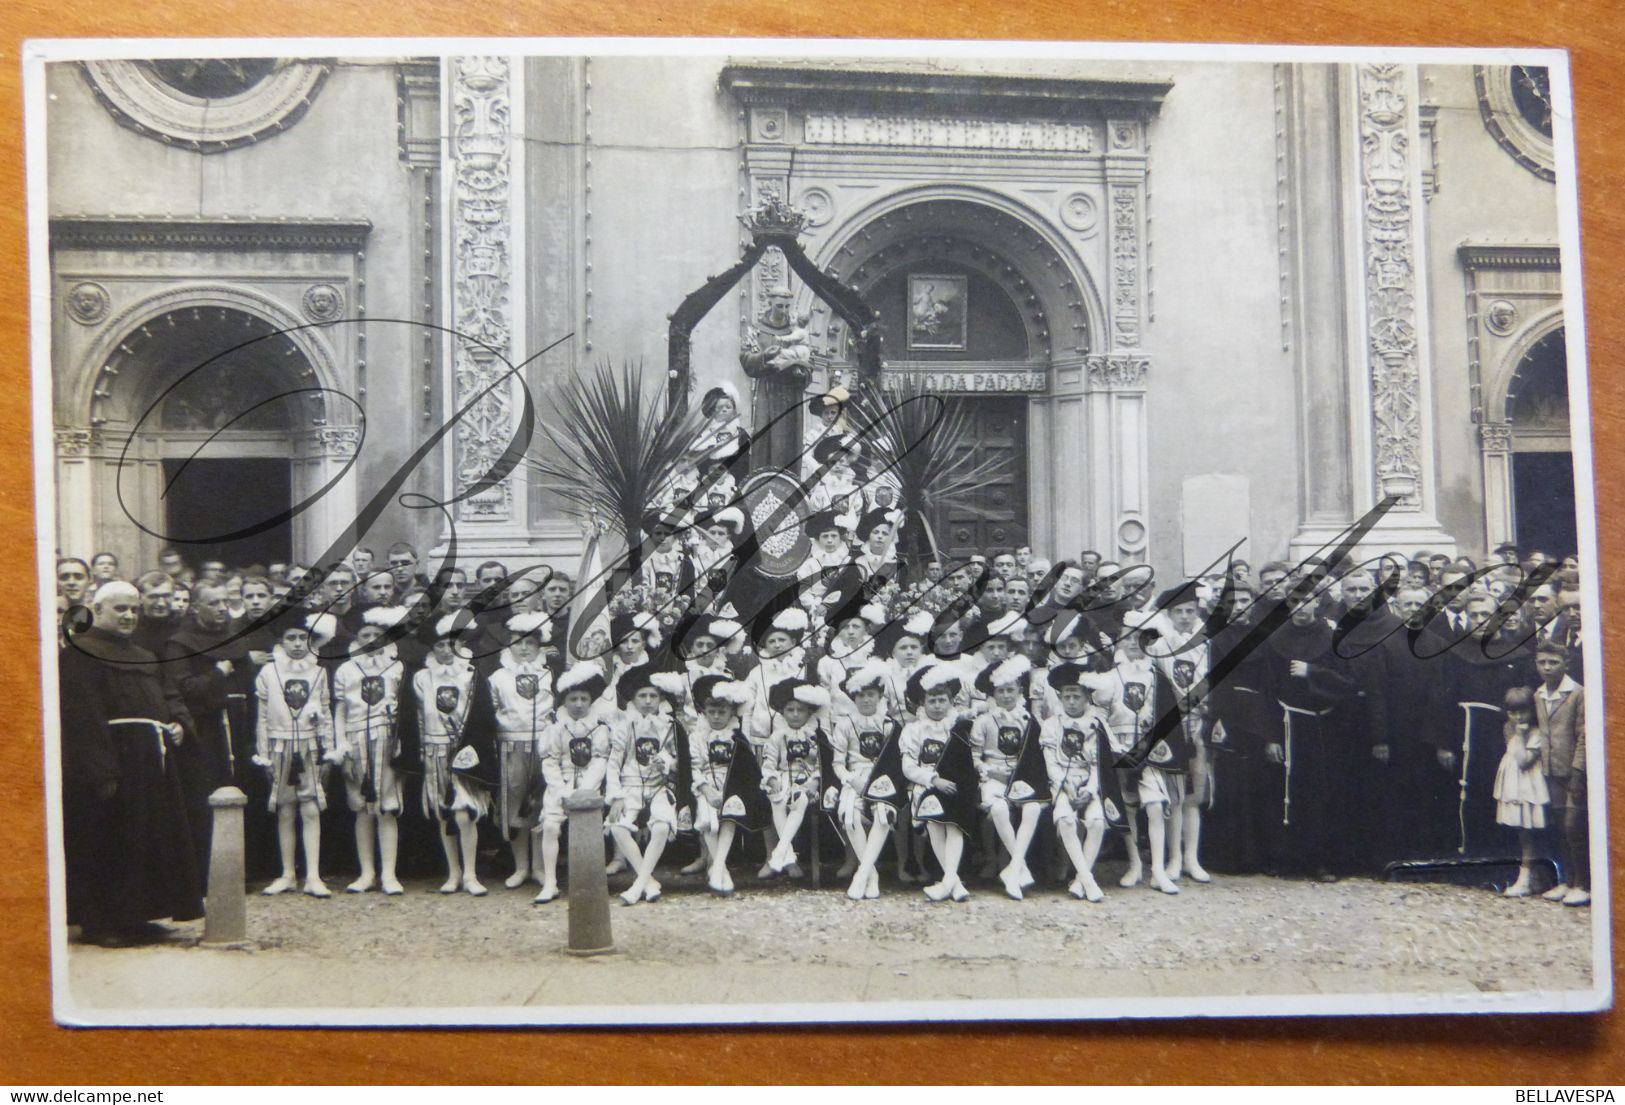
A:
1524, 1050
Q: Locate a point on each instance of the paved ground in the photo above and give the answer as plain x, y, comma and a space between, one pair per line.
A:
1235, 937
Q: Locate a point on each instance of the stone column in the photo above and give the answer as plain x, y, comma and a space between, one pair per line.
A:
483, 299
225, 919
1119, 456
1385, 316
1495, 443
589, 887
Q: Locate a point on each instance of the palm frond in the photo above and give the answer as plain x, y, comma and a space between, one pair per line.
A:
616, 444
923, 440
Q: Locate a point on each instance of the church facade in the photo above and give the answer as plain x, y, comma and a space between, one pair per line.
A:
1186, 302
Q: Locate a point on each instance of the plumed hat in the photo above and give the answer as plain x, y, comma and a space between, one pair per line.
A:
585, 676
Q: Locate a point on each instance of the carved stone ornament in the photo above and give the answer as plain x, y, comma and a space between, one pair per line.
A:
817, 205
1116, 373
140, 96
1125, 266
1390, 272
1501, 317
1495, 437
76, 442
1078, 212
88, 303
338, 441
1515, 104
322, 303
482, 276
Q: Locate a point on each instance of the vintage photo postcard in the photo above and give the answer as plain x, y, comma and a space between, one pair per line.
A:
630, 531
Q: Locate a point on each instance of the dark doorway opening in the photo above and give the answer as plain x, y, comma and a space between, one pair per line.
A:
1543, 503
207, 499
993, 517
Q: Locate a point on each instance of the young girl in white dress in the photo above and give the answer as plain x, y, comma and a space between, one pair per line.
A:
1520, 791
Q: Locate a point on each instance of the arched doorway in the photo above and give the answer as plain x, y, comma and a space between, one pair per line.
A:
1542, 461
981, 306
207, 423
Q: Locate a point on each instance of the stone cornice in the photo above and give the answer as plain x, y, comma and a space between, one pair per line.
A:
1509, 256
283, 235
977, 94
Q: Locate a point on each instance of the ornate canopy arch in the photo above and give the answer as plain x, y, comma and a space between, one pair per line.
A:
1008, 243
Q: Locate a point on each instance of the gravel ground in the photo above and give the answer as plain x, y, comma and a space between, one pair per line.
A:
1355, 926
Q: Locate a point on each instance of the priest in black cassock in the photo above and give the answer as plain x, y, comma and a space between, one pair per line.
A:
129, 859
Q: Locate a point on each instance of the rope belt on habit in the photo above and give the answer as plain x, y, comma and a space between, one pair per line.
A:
1467, 709
1286, 757
158, 729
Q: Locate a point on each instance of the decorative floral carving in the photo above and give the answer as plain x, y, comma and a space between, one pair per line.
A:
1125, 266
338, 441
75, 442
817, 205
322, 303
1116, 372
1495, 437
1078, 212
88, 303
1385, 128
482, 277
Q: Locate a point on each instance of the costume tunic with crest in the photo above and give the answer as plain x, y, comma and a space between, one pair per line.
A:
1128, 695
1078, 753
838, 491
1181, 664
999, 738
794, 758
772, 670
726, 766
929, 747
454, 719
294, 729
856, 744
522, 698
366, 720
575, 756
643, 757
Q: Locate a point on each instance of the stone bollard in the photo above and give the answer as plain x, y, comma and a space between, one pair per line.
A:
225, 910
589, 886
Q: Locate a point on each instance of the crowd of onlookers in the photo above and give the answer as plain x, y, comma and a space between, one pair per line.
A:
1411, 712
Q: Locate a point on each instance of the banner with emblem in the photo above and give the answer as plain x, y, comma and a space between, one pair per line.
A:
1029, 782
1111, 785
887, 783
958, 765
742, 799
